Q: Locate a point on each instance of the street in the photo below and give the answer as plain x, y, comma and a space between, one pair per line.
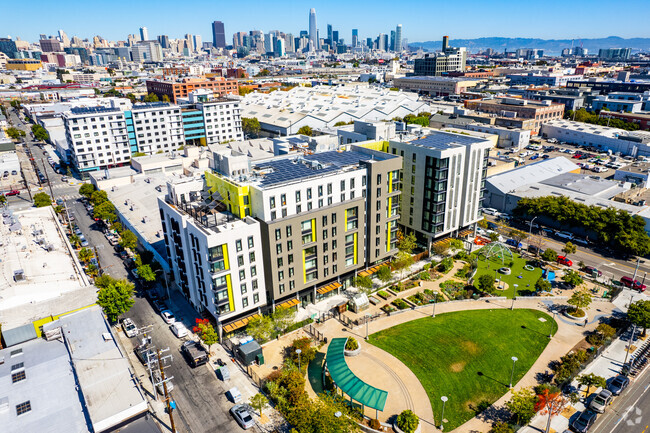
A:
200, 397
629, 413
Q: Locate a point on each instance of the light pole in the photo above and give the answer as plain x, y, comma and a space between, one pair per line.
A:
627, 352
550, 332
530, 228
367, 320
638, 261
512, 375
442, 417
435, 301
298, 352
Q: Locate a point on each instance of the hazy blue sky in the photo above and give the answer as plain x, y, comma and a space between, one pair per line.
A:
422, 20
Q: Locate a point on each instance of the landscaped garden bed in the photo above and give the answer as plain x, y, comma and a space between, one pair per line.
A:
425, 297
400, 304
455, 289
388, 308
383, 294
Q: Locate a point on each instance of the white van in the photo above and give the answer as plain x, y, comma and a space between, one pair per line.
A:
178, 329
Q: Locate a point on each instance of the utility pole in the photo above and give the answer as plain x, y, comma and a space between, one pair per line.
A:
167, 396
99, 266
47, 176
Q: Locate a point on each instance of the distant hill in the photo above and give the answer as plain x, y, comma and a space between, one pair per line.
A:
550, 46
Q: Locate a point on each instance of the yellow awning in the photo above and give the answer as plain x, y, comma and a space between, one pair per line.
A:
288, 304
239, 323
328, 288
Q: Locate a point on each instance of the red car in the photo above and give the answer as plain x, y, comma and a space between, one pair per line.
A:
12, 192
564, 261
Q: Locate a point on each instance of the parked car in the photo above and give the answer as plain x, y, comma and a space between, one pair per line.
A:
242, 416
130, 330
12, 192
535, 250
564, 261
178, 329
84, 242
565, 235
618, 384
514, 243
168, 316
634, 284
583, 423
592, 271
14, 172
64, 179
490, 211
600, 402
159, 306
195, 353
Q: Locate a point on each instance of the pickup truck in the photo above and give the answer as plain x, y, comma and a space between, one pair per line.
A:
195, 353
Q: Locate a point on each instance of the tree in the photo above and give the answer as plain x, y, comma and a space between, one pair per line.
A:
407, 421
129, 240
104, 281
639, 314
590, 380
456, 244
259, 402
132, 97
42, 199
116, 299
550, 402
569, 248
146, 273
151, 97
406, 243
40, 133
518, 235
542, 285
384, 274
85, 254
87, 190
341, 123
501, 427
206, 332
75, 240
364, 282
260, 328
403, 260
580, 299
307, 351
573, 278
494, 236
92, 270
486, 283
105, 211
305, 130
250, 125
549, 255
3, 199
282, 318
15, 133
522, 405
165, 98
98, 197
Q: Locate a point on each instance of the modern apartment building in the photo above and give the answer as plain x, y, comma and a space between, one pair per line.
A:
181, 88
443, 179
450, 59
310, 222
104, 137
216, 257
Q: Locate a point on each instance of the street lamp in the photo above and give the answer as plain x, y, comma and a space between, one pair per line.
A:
627, 352
298, 352
514, 361
435, 301
367, 320
442, 417
530, 229
550, 332
638, 261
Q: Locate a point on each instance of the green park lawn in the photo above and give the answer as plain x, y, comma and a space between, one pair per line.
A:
525, 285
466, 355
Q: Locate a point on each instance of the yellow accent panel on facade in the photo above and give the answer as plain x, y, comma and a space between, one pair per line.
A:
304, 268
388, 235
40, 322
381, 146
226, 262
235, 196
231, 301
356, 253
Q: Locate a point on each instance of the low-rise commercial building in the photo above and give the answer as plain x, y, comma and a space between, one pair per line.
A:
533, 79
181, 88
641, 119
436, 85
24, 64
529, 114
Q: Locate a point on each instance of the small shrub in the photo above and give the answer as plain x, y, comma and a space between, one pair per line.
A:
407, 421
445, 265
351, 344
426, 267
399, 303
424, 276
375, 424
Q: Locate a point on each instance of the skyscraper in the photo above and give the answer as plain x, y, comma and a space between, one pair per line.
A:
329, 32
355, 38
392, 40
218, 35
65, 40
144, 34
198, 44
313, 33
398, 38
335, 37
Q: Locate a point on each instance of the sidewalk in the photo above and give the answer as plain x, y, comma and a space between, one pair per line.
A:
607, 365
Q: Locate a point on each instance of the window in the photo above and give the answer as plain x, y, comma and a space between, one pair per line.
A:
308, 193
283, 199
256, 298
251, 256
333, 231
290, 259
238, 245
240, 260
288, 231
16, 352
324, 234
289, 245
292, 285
242, 274
324, 220
243, 289
272, 199
343, 185
18, 376
290, 272
250, 242
23, 407
244, 302
320, 190
273, 215
253, 271
329, 188
297, 195
281, 286
280, 275
280, 262
378, 179
333, 218
278, 248
278, 234
255, 286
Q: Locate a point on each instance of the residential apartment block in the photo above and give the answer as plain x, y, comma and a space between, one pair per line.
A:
522, 113
181, 88
443, 179
450, 59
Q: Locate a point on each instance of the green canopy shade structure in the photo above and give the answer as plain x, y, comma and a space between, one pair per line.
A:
350, 384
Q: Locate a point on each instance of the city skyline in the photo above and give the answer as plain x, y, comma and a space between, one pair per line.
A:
435, 19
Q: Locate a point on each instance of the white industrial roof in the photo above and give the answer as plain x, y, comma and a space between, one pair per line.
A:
531, 173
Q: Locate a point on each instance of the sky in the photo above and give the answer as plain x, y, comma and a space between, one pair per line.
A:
422, 20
